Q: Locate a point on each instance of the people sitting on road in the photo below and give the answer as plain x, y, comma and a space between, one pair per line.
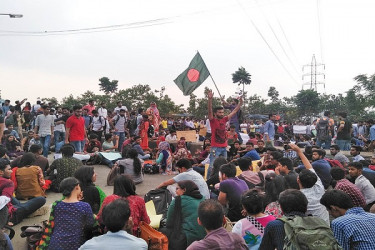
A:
132, 166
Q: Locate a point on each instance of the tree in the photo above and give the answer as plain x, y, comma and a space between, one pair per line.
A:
307, 102
107, 86
241, 76
273, 94
53, 100
367, 85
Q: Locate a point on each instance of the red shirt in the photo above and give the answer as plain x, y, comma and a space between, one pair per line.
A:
219, 135
7, 189
77, 128
89, 108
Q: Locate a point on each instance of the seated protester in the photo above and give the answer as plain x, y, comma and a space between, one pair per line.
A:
186, 173
321, 167
289, 153
35, 140
144, 155
116, 218
86, 176
242, 152
211, 217
164, 158
368, 173
214, 178
364, 185
353, 227
202, 155
232, 135
252, 179
13, 147
252, 227
124, 188
63, 167
312, 187
69, 218
233, 152
13, 132
185, 207
294, 204
132, 166
274, 185
355, 152
181, 152
127, 143
40, 160
28, 179
231, 188
5, 242
261, 149
17, 211
271, 161
251, 153
285, 169
108, 145
26, 140
93, 147
335, 151
343, 184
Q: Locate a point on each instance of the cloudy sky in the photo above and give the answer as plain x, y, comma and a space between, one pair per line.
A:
152, 42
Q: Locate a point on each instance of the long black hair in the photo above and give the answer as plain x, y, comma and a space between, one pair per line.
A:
67, 186
84, 175
27, 159
123, 186
133, 154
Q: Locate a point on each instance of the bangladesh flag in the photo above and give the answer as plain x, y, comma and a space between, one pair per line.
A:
193, 76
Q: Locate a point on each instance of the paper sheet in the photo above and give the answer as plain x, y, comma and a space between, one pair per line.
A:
154, 218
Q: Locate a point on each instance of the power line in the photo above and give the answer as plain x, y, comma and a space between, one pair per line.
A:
264, 39
277, 38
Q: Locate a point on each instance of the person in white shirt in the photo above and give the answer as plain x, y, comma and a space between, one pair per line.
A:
119, 107
97, 124
367, 189
102, 111
171, 137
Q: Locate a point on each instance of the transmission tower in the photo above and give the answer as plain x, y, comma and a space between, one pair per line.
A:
314, 74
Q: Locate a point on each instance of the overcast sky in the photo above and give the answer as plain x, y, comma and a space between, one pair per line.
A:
227, 33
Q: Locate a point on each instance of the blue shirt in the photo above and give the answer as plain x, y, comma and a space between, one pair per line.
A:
355, 229
253, 155
372, 133
269, 128
112, 241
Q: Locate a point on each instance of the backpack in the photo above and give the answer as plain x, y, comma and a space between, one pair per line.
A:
150, 131
322, 129
132, 124
308, 233
334, 163
252, 185
150, 169
162, 198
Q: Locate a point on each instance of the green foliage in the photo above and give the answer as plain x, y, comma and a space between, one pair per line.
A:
107, 86
307, 102
241, 76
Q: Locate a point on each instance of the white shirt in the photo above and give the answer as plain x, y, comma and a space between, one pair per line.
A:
59, 127
208, 126
313, 195
102, 112
169, 138
366, 188
98, 123
117, 109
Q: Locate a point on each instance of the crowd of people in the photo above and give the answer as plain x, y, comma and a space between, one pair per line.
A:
230, 194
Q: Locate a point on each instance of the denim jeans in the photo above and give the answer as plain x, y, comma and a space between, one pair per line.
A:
121, 139
45, 140
343, 144
216, 152
78, 145
327, 143
27, 208
59, 138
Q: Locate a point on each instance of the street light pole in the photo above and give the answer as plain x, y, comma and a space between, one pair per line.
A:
12, 15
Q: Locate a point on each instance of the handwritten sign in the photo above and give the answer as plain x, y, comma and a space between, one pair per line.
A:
190, 135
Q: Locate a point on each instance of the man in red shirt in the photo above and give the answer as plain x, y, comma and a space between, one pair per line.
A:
90, 107
75, 129
218, 121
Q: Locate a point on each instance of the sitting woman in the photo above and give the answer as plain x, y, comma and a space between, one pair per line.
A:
132, 166
28, 179
69, 219
274, 185
252, 227
185, 207
86, 176
13, 146
124, 188
181, 151
214, 178
164, 158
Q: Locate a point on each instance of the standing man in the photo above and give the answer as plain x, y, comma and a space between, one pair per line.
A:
44, 124
324, 130
269, 130
344, 132
75, 129
97, 124
218, 139
102, 110
235, 119
119, 122
90, 107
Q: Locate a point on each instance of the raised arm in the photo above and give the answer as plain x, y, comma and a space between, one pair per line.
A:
301, 155
236, 109
210, 96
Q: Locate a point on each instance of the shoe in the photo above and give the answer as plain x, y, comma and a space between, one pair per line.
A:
40, 211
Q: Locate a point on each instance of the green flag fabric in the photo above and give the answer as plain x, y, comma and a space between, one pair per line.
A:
193, 76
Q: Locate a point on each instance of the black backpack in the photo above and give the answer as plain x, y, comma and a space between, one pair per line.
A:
162, 198
252, 185
150, 131
322, 129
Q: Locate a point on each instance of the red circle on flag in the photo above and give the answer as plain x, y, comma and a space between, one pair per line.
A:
193, 75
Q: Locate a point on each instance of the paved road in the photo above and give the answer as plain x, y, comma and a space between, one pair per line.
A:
150, 182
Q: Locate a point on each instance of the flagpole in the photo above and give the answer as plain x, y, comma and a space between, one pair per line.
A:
216, 86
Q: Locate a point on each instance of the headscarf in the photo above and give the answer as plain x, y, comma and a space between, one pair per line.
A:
164, 146
191, 189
